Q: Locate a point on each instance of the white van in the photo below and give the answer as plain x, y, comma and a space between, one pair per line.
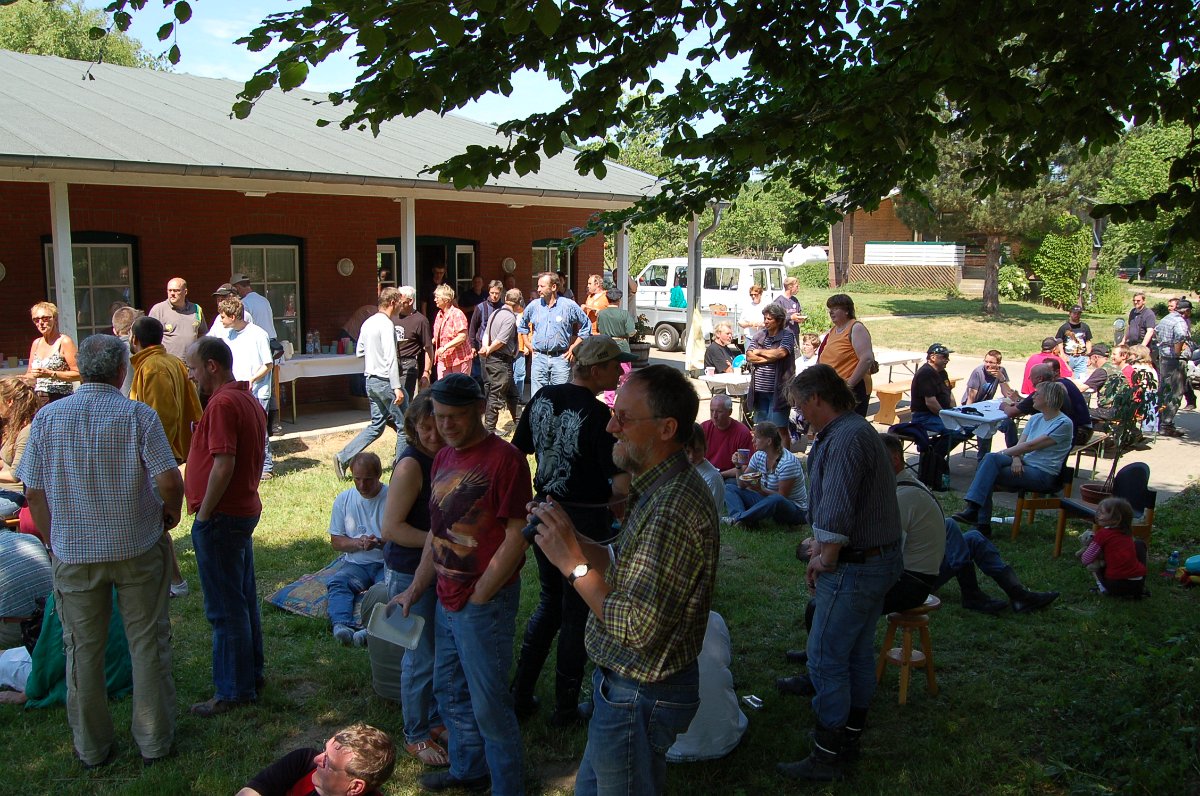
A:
725, 290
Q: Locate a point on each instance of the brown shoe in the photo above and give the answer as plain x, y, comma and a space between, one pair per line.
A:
215, 707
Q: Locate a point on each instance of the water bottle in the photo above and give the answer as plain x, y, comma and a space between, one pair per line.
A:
308, 343
1002, 520
945, 481
316, 342
1172, 564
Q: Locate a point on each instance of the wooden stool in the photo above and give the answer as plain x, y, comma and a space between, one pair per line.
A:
905, 656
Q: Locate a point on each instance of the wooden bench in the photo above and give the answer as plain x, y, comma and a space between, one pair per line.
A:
1093, 447
889, 396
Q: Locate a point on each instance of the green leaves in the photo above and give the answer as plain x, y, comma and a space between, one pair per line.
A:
293, 75
547, 16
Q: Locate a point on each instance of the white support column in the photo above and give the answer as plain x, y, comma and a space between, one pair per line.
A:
693, 336
408, 246
64, 272
621, 278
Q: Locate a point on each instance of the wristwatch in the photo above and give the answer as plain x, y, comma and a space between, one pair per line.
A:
577, 573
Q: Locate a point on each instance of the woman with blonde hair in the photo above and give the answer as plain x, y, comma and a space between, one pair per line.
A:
18, 405
1143, 379
52, 355
451, 350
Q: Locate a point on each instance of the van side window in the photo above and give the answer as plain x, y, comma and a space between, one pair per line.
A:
654, 276
720, 278
760, 277
776, 278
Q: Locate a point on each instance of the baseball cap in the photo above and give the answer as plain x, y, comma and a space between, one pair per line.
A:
225, 290
238, 278
1076, 308
1101, 349
1183, 304
457, 389
938, 348
1049, 343
598, 349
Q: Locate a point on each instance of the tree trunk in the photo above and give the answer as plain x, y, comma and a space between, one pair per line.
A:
991, 277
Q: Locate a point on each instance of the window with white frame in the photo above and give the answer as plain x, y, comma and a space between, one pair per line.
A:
547, 256
103, 280
274, 271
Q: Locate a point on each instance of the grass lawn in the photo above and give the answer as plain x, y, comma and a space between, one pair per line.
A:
1092, 695
1017, 331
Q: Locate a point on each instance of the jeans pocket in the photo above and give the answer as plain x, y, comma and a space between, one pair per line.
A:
617, 695
668, 720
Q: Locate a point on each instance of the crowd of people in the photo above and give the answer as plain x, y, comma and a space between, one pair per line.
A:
623, 511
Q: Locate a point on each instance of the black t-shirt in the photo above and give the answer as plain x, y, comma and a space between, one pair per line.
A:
398, 557
1082, 333
930, 383
414, 334
565, 426
718, 357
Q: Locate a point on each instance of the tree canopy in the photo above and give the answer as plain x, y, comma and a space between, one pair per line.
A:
63, 28
837, 94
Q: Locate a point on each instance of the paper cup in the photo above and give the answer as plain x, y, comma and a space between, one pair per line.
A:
394, 627
710, 370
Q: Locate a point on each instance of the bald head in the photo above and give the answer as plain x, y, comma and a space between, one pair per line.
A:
177, 293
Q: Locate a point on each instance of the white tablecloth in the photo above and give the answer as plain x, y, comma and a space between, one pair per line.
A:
734, 383
307, 366
984, 425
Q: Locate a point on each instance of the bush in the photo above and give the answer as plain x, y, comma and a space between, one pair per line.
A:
1061, 260
1014, 286
1108, 294
814, 273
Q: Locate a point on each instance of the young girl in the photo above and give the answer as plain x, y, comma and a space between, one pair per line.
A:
1124, 572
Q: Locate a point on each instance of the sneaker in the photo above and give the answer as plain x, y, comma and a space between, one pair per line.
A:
179, 589
339, 468
343, 634
266, 476
360, 638
728, 521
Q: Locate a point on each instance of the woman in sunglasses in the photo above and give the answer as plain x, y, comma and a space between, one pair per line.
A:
52, 356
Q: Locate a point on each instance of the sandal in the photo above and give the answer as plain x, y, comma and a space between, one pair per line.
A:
440, 734
429, 752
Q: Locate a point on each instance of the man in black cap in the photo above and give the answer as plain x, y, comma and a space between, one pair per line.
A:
1103, 369
480, 487
1076, 339
931, 394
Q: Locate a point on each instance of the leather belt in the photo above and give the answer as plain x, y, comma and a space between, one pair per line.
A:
558, 352
851, 555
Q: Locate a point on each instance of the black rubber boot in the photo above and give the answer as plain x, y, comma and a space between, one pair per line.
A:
856, 722
566, 702
529, 668
824, 762
796, 656
973, 597
1022, 599
968, 514
276, 428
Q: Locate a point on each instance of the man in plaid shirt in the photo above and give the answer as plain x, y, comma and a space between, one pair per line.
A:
649, 610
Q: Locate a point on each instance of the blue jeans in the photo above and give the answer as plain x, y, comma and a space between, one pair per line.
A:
632, 727
968, 549
420, 709
472, 656
548, 370
841, 644
384, 412
1078, 366
996, 468
932, 425
519, 377
350, 581
763, 401
268, 460
1011, 437
749, 507
225, 560
10, 502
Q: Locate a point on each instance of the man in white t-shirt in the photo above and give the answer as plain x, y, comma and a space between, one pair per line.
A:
252, 360
218, 329
355, 531
260, 313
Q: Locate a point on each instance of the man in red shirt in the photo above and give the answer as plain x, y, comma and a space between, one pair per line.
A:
724, 435
480, 489
221, 485
355, 762
1049, 354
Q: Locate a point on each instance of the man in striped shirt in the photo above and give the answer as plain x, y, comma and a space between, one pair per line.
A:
856, 559
649, 610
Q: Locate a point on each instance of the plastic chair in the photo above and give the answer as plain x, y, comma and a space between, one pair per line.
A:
1132, 483
1028, 500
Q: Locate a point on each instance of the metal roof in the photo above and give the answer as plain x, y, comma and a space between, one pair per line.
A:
150, 123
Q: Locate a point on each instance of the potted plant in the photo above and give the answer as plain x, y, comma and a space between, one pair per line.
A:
1128, 412
637, 341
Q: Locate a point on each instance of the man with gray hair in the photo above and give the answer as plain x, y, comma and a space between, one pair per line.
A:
725, 436
414, 343
497, 351
109, 535
122, 324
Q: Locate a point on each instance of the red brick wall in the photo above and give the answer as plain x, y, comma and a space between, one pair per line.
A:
882, 225
187, 233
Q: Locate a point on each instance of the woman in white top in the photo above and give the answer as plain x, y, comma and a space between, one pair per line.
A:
771, 486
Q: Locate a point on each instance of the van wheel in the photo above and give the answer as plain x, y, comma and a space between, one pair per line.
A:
665, 337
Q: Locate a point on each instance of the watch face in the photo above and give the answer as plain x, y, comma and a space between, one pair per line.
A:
579, 571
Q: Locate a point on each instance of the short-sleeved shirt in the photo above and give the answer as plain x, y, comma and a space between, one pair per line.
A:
260, 309
233, 424
787, 467
1060, 430
718, 357
566, 427
1075, 408
412, 335
715, 482
985, 385
181, 327
448, 324
251, 350
1037, 359
653, 619
290, 775
25, 574
502, 327
772, 376
554, 327
924, 525
1171, 330
617, 324
475, 493
723, 444
1082, 332
355, 516
790, 305
1120, 555
94, 454
929, 382
401, 558
1140, 321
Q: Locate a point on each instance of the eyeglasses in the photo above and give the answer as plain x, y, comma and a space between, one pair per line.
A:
624, 419
43, 318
